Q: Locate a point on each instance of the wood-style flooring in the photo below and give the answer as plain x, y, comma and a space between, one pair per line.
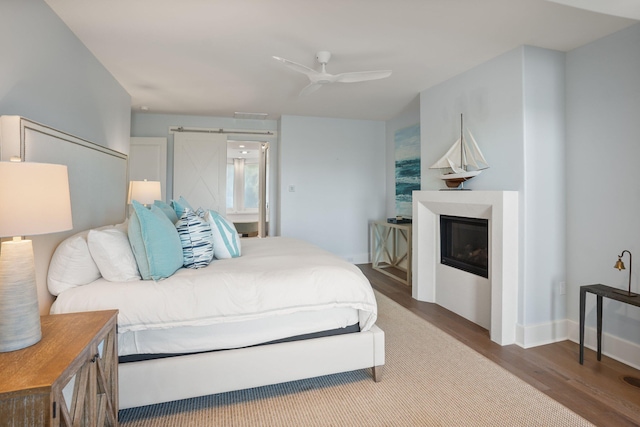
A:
598, 391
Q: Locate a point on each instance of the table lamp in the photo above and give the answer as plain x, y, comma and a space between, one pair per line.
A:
34, 199
144, 192
620, 266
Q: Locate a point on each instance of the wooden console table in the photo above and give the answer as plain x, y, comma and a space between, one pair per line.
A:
600, 291
391, 253
77, 348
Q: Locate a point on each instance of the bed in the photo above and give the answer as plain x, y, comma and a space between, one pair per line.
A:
231, 362
283, 310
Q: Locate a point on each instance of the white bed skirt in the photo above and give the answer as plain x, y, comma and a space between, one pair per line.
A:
181, 377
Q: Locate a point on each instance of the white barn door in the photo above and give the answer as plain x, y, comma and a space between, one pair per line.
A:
200, 169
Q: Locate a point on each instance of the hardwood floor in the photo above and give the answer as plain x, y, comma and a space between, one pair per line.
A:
596, 390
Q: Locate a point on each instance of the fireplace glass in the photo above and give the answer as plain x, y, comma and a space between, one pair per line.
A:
464, 244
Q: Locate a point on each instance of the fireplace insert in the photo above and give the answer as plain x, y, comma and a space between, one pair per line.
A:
464, 244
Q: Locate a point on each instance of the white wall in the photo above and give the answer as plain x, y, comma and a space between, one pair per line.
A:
513, 105
337, 169
603, 177
49, 76
408, 117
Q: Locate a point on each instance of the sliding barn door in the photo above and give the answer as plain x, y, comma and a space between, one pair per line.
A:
200, 169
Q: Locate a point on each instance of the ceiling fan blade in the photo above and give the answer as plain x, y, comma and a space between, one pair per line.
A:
310, 89
362, 76
297, 67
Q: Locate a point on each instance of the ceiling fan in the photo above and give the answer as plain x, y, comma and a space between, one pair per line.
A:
321, 78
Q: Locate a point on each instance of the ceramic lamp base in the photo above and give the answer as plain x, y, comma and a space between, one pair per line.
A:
19, 313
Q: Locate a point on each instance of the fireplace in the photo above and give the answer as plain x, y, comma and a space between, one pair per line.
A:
464, 244
491, 302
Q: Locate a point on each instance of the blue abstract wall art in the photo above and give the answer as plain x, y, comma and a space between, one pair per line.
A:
407, 143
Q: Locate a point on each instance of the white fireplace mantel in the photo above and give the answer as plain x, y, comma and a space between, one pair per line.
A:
501, 209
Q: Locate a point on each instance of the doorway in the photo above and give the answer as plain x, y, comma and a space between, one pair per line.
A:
246, 186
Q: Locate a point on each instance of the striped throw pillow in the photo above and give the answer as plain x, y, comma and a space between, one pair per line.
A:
226, 242
197, 242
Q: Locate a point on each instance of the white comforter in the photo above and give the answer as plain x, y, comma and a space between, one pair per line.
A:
276, 275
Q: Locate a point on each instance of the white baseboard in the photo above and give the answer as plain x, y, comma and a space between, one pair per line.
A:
614, 347
546, 333
541, 334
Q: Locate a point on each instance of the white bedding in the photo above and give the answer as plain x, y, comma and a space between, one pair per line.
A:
273, 277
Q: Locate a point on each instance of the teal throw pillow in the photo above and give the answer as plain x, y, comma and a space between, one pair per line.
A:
180, 205
167, 210
155, 242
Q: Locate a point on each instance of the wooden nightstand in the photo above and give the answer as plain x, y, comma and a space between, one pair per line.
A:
77, 349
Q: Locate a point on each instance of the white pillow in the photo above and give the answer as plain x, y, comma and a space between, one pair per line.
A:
112, 254
226, 242
71, 265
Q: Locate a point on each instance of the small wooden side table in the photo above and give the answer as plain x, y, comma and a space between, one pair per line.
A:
391, 253
78, 347
600, 292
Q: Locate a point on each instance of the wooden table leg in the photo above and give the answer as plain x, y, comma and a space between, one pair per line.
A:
583, 296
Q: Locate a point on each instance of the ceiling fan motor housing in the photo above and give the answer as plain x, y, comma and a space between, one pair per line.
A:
323, 56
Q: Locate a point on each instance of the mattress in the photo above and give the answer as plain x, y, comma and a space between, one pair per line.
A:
279, 287
224, 336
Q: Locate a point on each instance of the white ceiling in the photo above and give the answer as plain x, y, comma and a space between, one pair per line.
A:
214, 57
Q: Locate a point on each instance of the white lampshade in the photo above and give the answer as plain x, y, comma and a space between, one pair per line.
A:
34, 199
144, 192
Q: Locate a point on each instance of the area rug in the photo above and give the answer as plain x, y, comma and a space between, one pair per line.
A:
430, 379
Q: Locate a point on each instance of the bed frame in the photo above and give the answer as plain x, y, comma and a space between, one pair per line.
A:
98, 184
181, 377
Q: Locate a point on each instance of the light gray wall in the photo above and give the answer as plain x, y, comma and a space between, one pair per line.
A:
337, 168
408, 117
513, 104
491, 98
49, 76
544, 208
157, 125
603, 177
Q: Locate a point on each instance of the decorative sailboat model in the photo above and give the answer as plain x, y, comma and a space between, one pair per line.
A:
462, 154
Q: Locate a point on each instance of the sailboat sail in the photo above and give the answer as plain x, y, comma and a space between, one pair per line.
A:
463, 153
475, 154
449, 158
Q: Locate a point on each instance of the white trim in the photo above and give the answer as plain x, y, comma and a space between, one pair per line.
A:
541, 334
614, 347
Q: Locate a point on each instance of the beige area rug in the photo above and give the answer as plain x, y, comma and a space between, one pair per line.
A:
430, 379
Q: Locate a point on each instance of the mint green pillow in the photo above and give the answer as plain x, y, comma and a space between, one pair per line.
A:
180, 205
168, 210
155, 242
